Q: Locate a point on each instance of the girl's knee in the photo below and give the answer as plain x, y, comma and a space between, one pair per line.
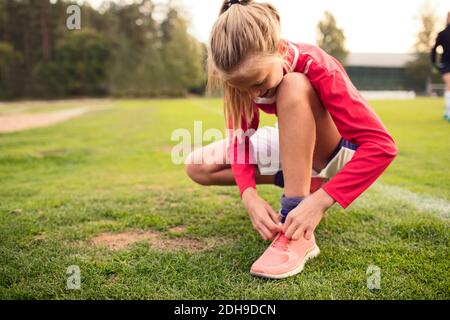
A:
201, 164
196, 173
294, 90
191, 170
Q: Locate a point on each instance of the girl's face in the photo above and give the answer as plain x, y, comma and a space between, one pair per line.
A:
259, 79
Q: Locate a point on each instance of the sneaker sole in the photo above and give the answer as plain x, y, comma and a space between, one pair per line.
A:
310, 255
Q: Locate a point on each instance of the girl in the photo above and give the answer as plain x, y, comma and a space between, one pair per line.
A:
443, 39
322, 120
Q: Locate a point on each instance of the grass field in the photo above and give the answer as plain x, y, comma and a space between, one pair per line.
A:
69, 192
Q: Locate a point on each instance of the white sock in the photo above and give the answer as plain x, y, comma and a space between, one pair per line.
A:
447, 102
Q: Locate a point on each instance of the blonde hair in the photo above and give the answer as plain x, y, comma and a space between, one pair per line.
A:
243, 30
448, 17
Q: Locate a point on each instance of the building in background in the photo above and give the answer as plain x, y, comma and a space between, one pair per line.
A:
379, 71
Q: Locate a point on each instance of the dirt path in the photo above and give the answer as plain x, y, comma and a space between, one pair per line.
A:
22, 121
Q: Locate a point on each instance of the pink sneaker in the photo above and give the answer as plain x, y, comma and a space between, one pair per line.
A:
284, 258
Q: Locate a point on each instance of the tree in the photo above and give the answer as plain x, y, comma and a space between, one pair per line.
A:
10, 61
121, 49
84, 58
183, 55
420, 69
133, 33
331, 38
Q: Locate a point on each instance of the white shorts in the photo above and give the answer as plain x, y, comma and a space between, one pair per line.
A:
265, 142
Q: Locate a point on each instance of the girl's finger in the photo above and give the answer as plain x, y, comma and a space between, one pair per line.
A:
265, 232
287, 223
299, 233
273, 214
261, 229
271, 226
308, 233
291, 230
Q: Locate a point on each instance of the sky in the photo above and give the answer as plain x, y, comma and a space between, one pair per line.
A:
387, 26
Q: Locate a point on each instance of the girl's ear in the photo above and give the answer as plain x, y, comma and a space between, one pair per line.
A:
282, 45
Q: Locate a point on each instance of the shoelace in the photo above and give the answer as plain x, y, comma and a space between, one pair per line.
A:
281, 242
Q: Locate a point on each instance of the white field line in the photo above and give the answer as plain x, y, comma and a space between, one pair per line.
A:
390, 95
423, 203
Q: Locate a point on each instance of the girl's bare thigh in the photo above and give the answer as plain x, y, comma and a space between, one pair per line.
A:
212, 157
209, 165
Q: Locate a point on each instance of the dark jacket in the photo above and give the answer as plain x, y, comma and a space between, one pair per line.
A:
443, 39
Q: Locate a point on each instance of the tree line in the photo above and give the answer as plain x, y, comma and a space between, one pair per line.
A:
124, 50
120, 50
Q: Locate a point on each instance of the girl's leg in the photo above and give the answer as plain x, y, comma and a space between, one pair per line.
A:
446, 78
213, 169
308, 135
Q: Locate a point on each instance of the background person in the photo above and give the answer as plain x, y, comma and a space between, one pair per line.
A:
443, 40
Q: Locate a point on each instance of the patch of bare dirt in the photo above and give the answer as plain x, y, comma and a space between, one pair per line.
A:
177, 229
118, 241
22, 121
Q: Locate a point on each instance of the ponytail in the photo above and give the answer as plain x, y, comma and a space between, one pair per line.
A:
243, 28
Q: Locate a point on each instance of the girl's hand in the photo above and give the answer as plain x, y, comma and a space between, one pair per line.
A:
303, 220
264, 219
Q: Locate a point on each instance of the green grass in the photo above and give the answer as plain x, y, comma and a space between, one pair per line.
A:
111, 171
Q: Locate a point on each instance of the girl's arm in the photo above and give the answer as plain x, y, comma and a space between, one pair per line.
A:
356, 122
241, 155
433, 51
264, 219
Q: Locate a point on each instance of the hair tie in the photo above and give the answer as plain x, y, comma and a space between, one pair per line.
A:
231, 2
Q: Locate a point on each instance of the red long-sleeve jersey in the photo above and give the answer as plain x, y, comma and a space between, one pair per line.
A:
354, 119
